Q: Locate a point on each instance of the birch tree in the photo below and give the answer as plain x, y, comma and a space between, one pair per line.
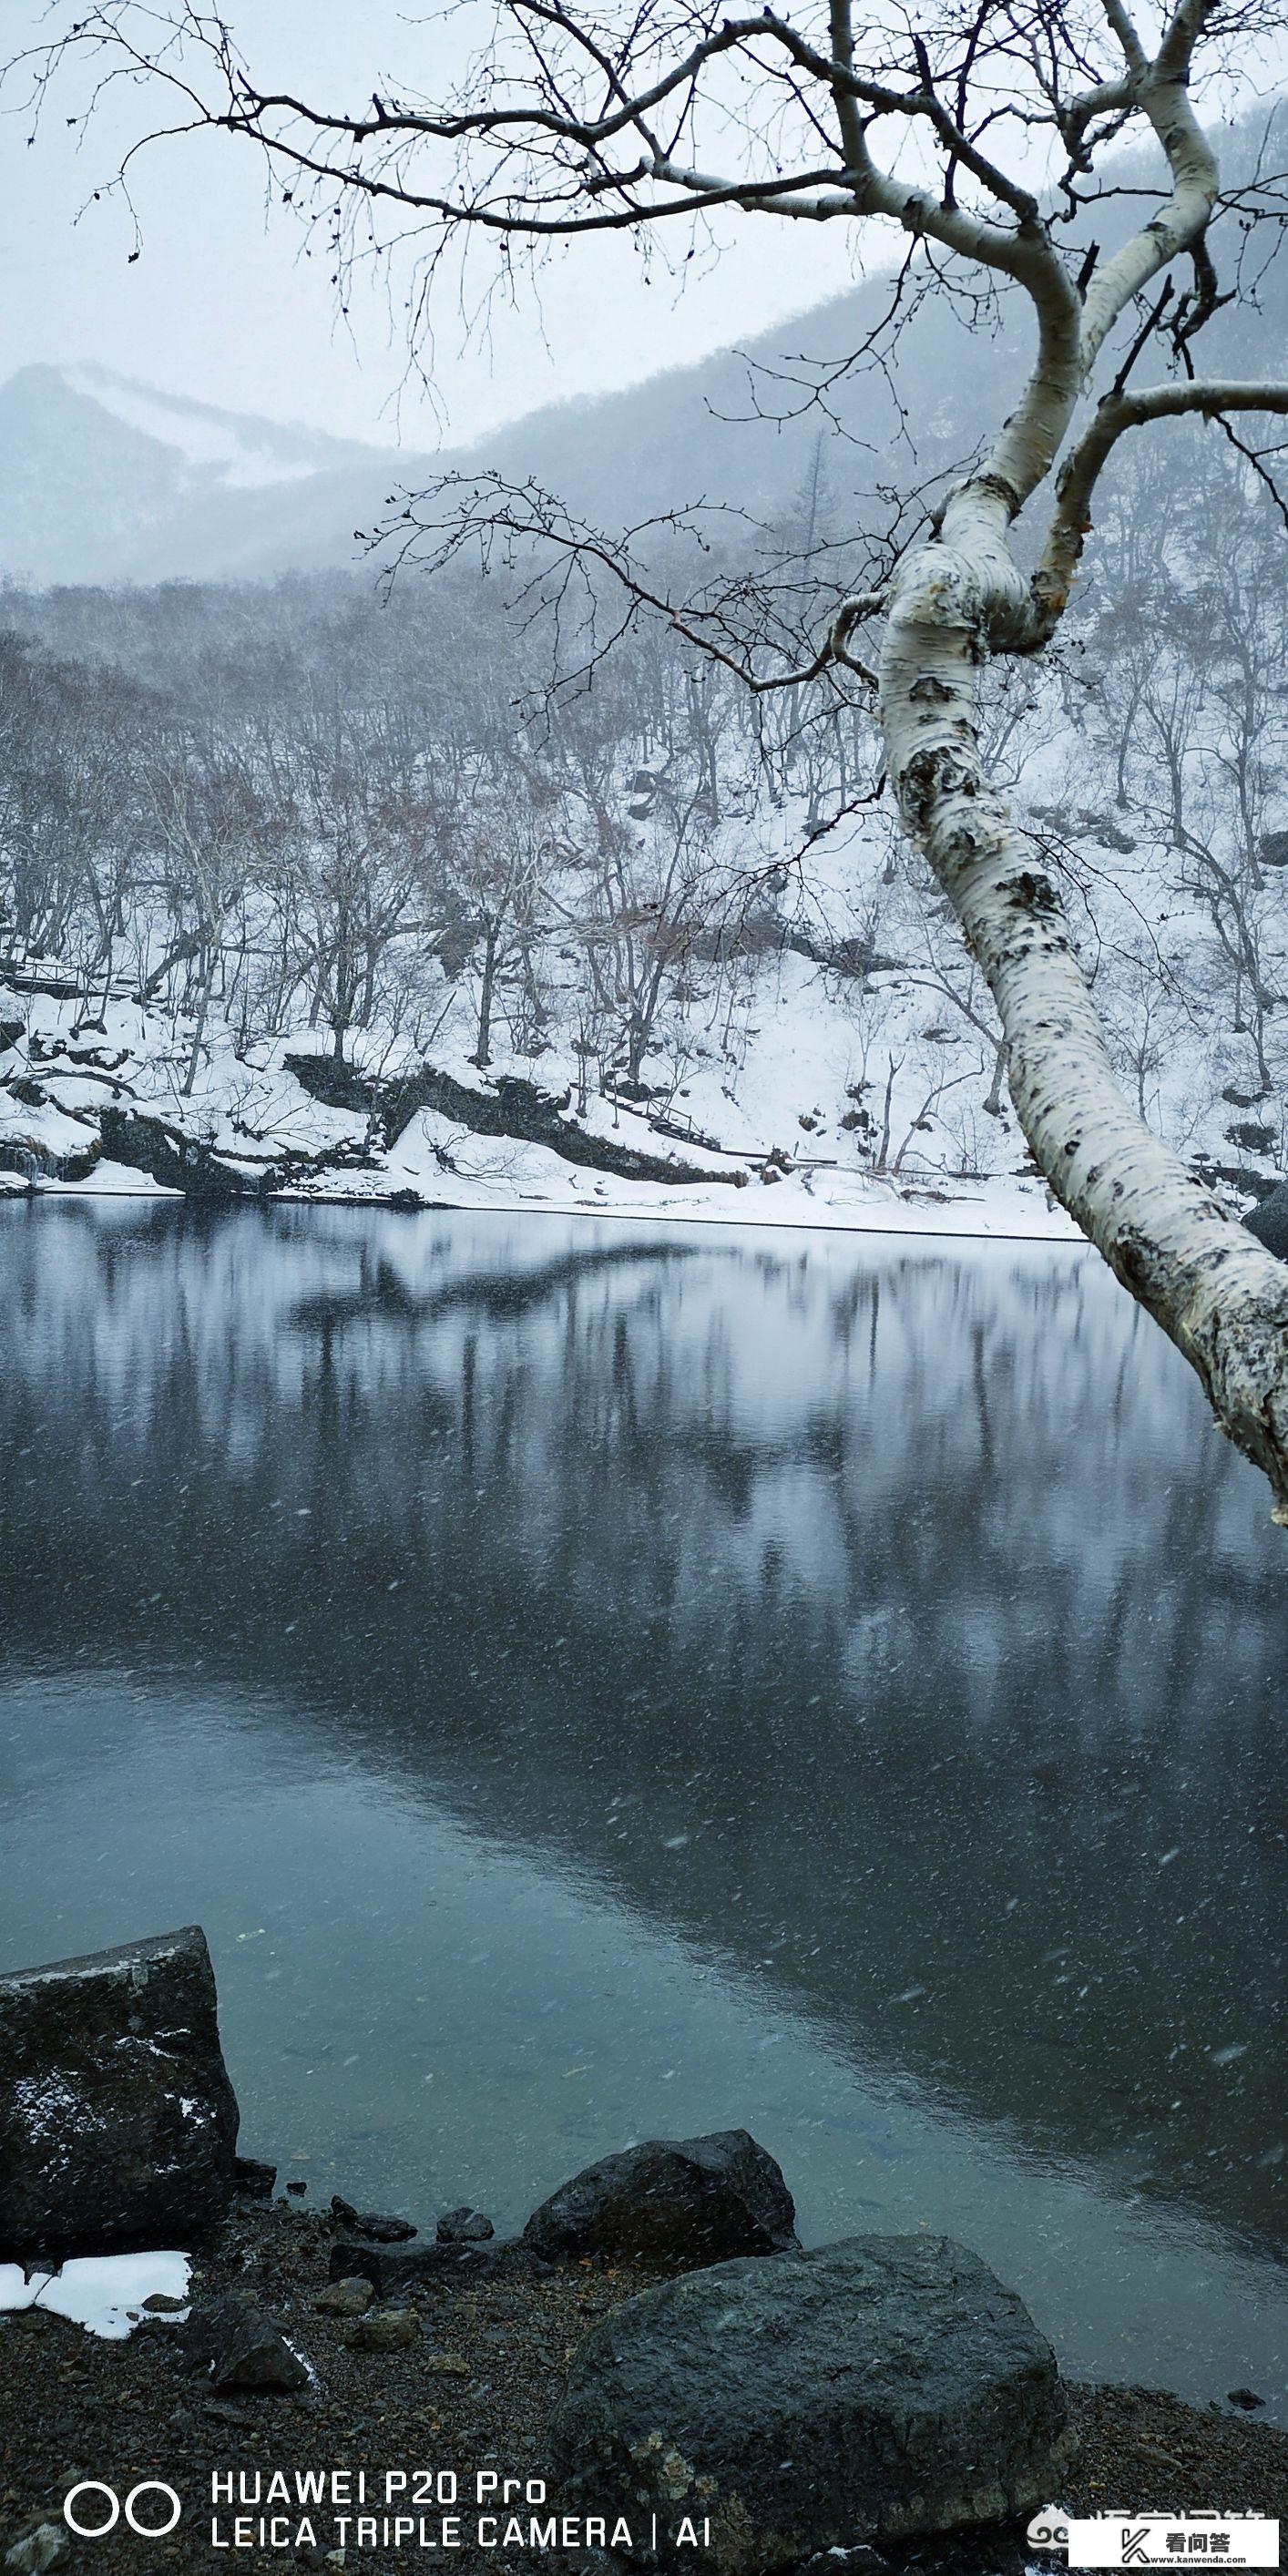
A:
974, 136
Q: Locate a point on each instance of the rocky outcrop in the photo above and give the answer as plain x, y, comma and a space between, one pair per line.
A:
253, 2178
872, 2390
672, 2200
510, 1106
118, 2124
179, 1162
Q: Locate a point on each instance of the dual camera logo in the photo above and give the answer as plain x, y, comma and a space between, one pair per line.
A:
92, 2509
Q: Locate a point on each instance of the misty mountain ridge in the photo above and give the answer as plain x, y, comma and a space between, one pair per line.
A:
104, 478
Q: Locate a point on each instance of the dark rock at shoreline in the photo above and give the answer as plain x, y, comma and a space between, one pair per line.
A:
253, 2178
179, 1162
371, 2222
869, 2391
671, 2200
464, 2226
503, 1105
479, 2382
396, 2269
118, 2124
233, 2345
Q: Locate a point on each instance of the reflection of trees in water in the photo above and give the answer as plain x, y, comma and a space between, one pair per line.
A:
835, 1563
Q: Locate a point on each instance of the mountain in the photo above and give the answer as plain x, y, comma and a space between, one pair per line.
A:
105, 479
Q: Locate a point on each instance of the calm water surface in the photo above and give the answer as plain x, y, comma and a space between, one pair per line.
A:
594, 1681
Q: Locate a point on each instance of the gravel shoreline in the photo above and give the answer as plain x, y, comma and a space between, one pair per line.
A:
472, 2392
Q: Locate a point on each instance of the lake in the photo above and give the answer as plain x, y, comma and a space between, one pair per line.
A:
595, 1681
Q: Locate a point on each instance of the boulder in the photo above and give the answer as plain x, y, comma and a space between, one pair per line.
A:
383, 2330
253, 2178
1269, 1222
396, 2271
672, 2200
872, 2390
464, 2226
118, 2124
349, 2298
375, 2223
234, 2346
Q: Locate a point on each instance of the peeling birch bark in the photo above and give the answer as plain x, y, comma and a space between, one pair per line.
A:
1199, 1273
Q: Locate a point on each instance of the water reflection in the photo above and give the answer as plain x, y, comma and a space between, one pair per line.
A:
888, 1629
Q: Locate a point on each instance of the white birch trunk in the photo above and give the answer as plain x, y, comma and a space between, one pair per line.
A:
1205, 1279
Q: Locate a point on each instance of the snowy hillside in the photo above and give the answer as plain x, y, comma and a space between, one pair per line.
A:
252, 1126
819, 1049
576, 928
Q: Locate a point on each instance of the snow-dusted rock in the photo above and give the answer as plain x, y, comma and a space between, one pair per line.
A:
118, 2123
874, 2389
233, 2345
684, 2200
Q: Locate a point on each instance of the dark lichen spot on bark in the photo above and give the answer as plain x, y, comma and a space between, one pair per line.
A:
1130, 1259
928, 776
1002, 486
1032, 893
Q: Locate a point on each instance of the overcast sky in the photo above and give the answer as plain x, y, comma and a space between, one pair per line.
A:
224, 305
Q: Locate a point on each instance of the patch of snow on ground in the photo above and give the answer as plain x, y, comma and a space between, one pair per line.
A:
102, 2292
111, 1181
451, 1166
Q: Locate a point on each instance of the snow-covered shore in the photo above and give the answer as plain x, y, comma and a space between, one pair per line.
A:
1004, 1211
93, 1104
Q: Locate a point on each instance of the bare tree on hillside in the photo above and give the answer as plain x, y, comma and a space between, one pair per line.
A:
1191, 679
976, 133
